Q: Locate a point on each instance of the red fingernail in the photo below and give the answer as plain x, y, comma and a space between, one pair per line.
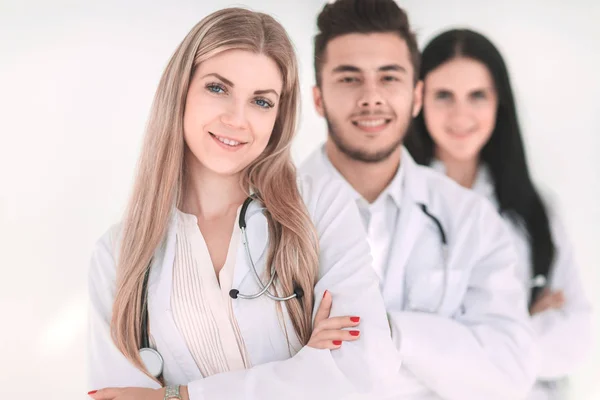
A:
354, 333
337, 342
92, 392
354, 319
324, 294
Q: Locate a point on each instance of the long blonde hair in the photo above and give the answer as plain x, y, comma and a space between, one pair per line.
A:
293, 245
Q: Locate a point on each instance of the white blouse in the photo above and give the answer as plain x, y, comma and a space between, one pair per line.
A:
201, 307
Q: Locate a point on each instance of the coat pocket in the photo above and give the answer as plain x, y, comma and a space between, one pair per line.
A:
437, 291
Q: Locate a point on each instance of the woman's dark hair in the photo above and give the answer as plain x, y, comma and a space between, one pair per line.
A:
504, 153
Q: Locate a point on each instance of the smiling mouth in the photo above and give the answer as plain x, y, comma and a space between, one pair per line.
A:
461, 134
226, 141
372, 123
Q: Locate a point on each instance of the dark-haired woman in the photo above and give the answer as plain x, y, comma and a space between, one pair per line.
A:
468, 128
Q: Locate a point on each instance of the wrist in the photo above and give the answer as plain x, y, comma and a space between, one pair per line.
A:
183, 390
173, 392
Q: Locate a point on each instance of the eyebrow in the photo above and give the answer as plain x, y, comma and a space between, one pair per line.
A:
393, 67
265, 91
231, 84
346, 68
225, 80
479, 89
383, 68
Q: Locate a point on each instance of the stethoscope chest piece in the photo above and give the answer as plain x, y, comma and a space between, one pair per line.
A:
539, 281
152, 360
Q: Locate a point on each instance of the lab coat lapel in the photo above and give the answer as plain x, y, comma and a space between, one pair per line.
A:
484, 185
163, 329
411, 222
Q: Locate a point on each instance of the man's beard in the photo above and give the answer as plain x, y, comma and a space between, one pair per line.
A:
358, 154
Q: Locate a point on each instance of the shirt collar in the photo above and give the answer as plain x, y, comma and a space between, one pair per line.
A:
395, 187
393, 190
483, 184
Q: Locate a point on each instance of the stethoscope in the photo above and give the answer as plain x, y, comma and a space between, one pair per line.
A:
264, 289
444, 243
151, 358
537, 283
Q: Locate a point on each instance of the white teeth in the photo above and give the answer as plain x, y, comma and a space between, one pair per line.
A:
228, 142
371, 123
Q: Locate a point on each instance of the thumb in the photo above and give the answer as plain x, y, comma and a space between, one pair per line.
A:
324, 308
559, 294
542, 303
558, 299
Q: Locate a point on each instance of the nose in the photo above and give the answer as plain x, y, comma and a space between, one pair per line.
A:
235, 116
461, 117
370, 97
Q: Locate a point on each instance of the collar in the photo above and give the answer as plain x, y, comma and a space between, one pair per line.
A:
483, 184
415, 183
394, 189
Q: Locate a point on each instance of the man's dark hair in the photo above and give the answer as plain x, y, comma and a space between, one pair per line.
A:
362, 16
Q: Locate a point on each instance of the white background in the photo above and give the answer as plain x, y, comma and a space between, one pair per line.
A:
76, 83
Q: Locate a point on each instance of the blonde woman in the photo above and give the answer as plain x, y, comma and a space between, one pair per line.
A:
181, 295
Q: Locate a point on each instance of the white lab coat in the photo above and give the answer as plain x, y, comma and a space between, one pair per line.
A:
479, 344
278, 372
564, 336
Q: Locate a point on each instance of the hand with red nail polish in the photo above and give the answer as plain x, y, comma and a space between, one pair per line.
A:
328, 332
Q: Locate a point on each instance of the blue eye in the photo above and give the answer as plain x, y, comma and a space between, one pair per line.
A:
262, 103
215, 88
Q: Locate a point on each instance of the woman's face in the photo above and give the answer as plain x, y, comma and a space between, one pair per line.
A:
230, 110
459, 108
